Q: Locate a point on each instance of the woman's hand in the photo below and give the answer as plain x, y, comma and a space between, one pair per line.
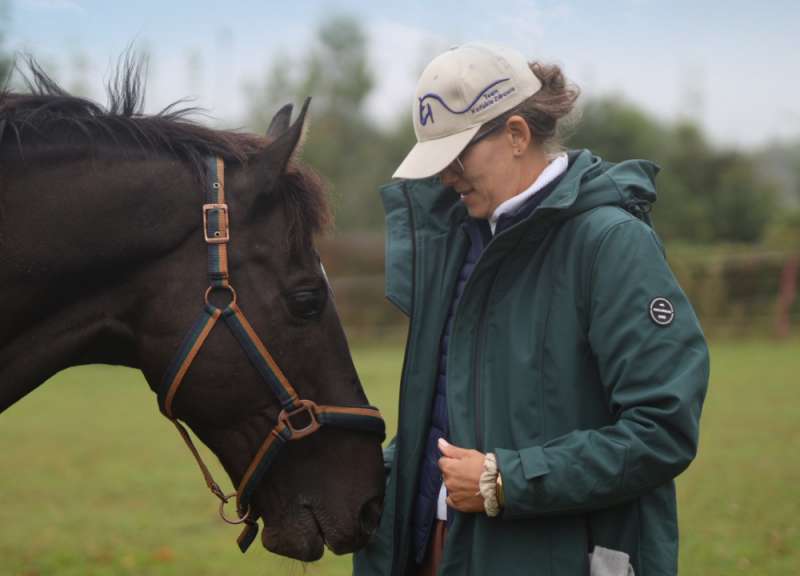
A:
461, 469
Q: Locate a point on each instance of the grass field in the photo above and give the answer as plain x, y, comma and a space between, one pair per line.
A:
94, 481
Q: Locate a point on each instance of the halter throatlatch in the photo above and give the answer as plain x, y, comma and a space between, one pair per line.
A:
298, 418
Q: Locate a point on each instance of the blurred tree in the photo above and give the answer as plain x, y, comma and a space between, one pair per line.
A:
780, 162
704, 195
6, 61
345, 146
741, 204
685, 186
732, 202
617, 130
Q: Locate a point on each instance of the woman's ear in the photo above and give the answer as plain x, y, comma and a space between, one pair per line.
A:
519, 133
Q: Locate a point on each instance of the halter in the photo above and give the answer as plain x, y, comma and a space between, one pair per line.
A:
298, 418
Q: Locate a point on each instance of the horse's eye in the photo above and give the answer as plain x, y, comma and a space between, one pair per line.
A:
307, 303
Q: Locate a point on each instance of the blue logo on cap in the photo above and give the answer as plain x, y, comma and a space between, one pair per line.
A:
426, 112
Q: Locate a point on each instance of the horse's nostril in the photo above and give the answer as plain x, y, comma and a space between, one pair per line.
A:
370, 515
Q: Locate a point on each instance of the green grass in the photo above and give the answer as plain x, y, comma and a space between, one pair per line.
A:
96, 482
740, 499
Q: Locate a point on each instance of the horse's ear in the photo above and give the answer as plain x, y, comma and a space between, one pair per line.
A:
280, 122
272, 161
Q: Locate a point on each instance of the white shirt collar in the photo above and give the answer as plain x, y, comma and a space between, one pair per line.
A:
554, 169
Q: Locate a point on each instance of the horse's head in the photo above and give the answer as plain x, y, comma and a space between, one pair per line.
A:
325, 488
107, 221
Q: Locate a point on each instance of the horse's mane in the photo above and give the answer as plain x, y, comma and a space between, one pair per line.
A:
48, 109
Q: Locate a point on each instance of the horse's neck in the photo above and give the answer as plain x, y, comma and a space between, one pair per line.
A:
78, 246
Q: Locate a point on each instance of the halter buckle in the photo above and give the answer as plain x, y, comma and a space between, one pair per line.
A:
308, 407
222, 234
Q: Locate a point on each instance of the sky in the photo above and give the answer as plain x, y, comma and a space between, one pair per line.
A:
733, 66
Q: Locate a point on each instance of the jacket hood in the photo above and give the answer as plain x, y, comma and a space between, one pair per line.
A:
591, 182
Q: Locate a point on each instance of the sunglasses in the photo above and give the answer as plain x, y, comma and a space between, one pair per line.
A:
457, 165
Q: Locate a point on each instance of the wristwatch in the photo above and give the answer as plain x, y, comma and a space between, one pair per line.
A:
501, 499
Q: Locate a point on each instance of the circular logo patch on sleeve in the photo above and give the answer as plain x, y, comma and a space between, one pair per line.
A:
662, 311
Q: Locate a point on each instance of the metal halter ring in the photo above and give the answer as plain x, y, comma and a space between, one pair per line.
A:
228, 288
240, 520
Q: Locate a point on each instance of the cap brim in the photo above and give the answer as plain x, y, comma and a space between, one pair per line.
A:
432, 156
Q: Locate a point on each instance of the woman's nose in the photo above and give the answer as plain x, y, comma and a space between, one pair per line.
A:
448, 176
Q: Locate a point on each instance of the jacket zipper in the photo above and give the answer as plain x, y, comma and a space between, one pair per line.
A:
396, 539
476, 368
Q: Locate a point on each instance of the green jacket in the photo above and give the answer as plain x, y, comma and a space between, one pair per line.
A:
557, 364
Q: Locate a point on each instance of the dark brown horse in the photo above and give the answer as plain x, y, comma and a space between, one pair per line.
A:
103, 260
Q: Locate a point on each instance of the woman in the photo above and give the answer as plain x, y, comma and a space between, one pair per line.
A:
555, 371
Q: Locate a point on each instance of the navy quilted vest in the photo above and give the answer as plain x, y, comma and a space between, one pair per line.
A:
430, 479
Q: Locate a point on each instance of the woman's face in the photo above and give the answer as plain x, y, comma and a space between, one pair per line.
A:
487, 178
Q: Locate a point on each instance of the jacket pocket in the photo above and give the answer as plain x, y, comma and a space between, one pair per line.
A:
608, 562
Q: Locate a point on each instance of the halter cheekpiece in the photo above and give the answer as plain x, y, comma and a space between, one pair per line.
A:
298, 418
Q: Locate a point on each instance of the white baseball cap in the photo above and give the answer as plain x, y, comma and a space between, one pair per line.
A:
458, 92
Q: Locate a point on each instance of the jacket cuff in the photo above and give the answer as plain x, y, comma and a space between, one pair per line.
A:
520, 470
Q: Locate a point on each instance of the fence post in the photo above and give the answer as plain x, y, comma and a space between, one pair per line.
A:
788, 292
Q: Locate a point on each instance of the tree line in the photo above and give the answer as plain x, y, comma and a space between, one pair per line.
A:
707, 193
